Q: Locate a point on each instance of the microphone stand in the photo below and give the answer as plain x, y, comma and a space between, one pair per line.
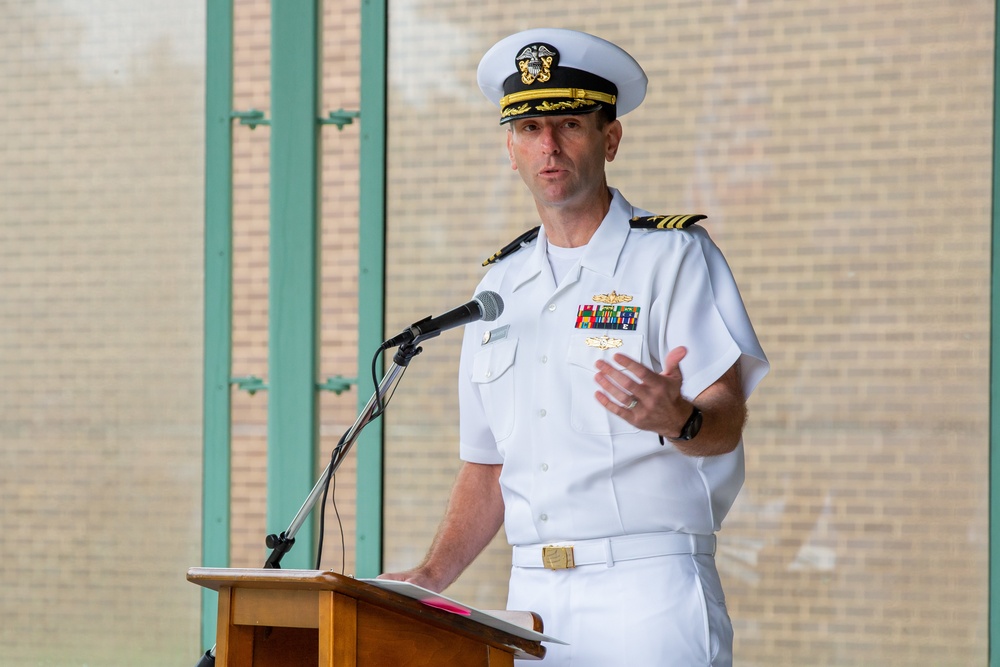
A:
281, 544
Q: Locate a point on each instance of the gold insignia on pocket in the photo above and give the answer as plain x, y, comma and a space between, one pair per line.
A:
604, 342
612, 298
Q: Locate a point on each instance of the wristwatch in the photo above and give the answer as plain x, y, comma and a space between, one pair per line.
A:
691, 426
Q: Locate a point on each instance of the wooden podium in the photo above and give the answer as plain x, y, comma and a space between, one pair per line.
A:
310, 617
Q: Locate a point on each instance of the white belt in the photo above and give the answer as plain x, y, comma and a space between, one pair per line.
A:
608, 550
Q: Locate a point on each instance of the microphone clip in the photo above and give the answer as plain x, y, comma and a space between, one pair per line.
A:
405, 352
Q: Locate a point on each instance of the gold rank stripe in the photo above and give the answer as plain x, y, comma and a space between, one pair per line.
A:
513, 246
572, 93
665, 221
673, 222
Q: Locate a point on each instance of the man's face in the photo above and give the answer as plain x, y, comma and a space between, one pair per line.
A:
561, 158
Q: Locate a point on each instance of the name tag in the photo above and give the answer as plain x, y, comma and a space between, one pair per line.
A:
496, 334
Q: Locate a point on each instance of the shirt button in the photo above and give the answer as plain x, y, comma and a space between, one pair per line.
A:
544, 467
545, 359
544, 517
542, 413
552, 307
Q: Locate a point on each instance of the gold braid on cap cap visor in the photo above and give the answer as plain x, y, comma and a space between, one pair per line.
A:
572, 93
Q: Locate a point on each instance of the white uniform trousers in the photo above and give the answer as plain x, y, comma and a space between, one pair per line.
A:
662, 611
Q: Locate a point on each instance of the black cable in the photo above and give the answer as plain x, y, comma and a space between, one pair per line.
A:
380, 403
340, 524
322, 505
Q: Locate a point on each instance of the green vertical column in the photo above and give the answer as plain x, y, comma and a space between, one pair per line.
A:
294, 270
215, 526
371, 279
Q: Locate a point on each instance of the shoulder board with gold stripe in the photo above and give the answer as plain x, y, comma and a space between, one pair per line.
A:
665, 221
513, 246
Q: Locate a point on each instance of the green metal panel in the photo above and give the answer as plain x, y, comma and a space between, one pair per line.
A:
218, 300
294, 270
371, 278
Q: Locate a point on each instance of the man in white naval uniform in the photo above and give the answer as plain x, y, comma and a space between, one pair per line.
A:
602, 413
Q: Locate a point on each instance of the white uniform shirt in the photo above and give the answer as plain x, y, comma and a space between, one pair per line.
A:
571, 469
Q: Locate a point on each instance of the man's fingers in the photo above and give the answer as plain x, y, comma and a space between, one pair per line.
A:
672, 364
614, 388
632, 366
622, 410
609, 372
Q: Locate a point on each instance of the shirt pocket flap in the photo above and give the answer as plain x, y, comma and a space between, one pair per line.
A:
493, 361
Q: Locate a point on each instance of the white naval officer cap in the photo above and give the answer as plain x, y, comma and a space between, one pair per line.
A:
553, 71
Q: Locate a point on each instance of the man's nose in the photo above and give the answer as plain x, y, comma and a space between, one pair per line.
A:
550, 142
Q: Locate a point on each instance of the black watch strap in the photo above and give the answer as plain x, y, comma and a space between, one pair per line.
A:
691, 426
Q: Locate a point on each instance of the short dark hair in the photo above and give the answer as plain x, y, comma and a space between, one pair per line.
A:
605, 115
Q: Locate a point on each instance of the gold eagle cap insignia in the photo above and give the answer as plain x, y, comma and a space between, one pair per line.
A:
535, 63
612, 298
604, 342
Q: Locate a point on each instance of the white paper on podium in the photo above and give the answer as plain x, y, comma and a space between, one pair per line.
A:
439, 601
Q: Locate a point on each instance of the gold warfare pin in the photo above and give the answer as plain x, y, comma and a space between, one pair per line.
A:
604, 342
612, 298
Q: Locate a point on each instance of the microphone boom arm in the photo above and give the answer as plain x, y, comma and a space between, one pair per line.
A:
281, 544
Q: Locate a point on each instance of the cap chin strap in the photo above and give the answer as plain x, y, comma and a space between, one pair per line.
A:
570, 93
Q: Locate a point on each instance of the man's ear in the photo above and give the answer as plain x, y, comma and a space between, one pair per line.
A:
510, 148
613, 138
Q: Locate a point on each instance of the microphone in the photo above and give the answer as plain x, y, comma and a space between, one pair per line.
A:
486, 306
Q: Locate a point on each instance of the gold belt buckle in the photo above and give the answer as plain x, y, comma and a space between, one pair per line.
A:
558, 558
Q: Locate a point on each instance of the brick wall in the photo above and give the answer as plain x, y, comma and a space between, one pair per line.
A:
100, 332
842, 153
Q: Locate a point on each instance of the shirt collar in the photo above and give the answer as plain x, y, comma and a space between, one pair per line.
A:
606, 244
603, 250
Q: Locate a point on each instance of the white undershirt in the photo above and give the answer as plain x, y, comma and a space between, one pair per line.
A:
563, 259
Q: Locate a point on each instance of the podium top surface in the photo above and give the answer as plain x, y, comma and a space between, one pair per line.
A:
518, 637
320, 580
